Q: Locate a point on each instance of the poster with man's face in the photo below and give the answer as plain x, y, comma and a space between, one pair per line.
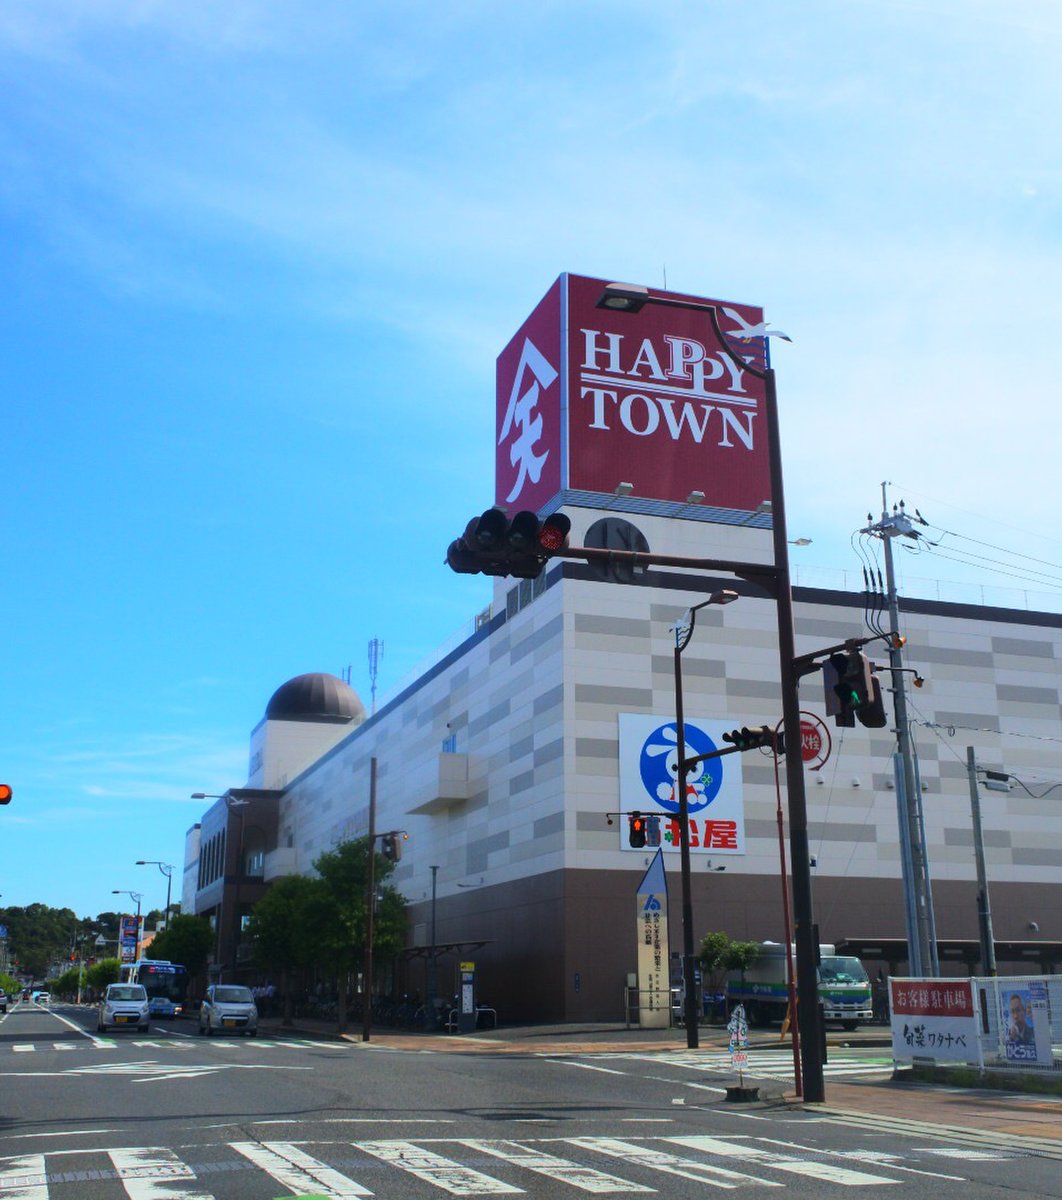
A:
1023, 1024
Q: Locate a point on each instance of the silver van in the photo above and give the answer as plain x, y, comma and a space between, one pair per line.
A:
228, 1007
123, 1004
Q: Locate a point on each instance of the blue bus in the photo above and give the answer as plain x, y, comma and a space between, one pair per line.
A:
166, 984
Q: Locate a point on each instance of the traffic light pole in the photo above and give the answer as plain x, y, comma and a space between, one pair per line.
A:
808, 1014
472, 554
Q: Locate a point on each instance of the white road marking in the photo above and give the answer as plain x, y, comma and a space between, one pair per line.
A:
970, 1155
147, 1172
295, 1169
671, 1164
18, 1137
435, 1169
587, 1179
782, 1162
356, 1121
590, 1067
23, 1178
892, 1161
73, 1025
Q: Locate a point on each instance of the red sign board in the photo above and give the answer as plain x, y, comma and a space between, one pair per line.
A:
932, 998
588, 398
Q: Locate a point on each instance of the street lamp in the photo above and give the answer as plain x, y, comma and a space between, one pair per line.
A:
432, 989
631, 298
683, 633
138, 897
167, 870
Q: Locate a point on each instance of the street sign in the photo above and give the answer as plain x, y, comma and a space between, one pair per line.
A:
815, 742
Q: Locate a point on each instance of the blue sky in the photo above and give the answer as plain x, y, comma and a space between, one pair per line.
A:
257, 260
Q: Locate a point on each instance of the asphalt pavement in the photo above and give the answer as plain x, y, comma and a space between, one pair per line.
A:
1030, 1120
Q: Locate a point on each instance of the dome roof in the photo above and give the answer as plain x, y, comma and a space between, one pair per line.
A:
315, 697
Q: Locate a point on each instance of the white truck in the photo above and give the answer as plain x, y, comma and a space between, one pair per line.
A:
844, 989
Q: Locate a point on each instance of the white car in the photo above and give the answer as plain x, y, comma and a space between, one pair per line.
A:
123, 1004
42, 998
228, 1007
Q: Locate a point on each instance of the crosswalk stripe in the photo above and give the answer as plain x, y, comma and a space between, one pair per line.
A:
435, 1169
781, 1162
158, 1173
23, 1178
295, 1169
233, 1045
585, 1178
760, 1066
670, 1164
145, 1172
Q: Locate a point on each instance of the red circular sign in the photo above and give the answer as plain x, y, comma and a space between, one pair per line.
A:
810, 741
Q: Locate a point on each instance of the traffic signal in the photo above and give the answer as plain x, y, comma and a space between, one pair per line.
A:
494, 545
391, 846
873, 714
652, 831
851, 690
636, 832
5, 793
752, 738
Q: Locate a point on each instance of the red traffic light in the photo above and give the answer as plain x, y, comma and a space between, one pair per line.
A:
636, 831
5, 793
553, 535
494, 545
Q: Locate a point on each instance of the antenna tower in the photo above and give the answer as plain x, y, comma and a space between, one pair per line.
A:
375, 654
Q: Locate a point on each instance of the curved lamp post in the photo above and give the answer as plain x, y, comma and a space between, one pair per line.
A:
167, 870
683, 633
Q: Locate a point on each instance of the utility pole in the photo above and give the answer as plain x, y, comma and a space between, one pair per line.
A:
984, 909
921, 941
370, 902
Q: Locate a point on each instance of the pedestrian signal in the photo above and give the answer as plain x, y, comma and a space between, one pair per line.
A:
636, 831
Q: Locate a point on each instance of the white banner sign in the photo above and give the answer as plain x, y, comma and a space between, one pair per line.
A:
648, 773
934, 1019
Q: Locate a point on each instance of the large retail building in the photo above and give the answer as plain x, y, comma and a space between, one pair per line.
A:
511, 762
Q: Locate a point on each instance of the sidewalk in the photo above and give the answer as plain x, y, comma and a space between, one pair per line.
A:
1024, 1121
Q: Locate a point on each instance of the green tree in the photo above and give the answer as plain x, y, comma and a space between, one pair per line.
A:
66, 985
283, 930
38, 935
106, 971
188, 941
720, 953
341, 913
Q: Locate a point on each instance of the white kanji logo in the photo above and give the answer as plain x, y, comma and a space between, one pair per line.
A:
522, 414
